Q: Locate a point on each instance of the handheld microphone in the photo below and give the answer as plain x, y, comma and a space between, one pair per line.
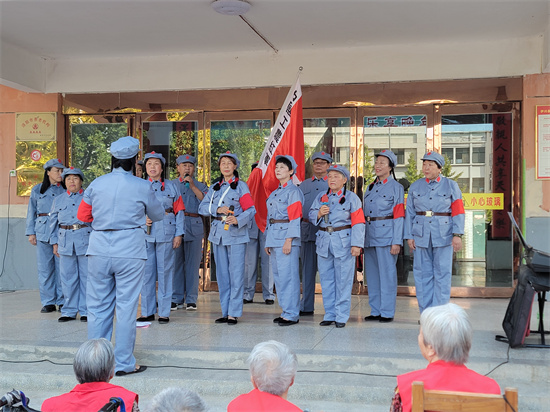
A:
324, 202
231, 211
186, 183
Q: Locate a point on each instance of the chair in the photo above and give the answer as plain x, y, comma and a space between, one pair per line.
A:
448, 401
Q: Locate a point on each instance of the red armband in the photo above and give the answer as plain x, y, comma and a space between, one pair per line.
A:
294, 210
84, 213
357, 217
457, 207
246, 201
398, 211
178, 205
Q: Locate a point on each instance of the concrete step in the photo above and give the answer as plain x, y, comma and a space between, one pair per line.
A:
323, 382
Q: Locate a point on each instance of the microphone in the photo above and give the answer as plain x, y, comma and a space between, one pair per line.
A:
186, 183
324, 202
231, 211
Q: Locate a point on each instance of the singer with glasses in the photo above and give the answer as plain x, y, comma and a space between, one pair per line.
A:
230, 206
283, 240
340, 238
188, 257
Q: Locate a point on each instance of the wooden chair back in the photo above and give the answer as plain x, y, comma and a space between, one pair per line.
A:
448, 401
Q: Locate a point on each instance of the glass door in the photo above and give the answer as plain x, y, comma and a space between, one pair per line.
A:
242, 133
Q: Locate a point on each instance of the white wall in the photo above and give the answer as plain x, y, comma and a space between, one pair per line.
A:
427, 61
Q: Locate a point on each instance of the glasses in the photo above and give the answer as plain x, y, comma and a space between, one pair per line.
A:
320, 162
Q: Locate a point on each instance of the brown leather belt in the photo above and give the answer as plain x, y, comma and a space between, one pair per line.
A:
169, 210
72, 227
429, 213
370, 219
331, 229
219, 217
191, 214
271, 221
43, 214
305, 220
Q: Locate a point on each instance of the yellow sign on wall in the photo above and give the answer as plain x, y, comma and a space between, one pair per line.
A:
35, 127
483, 201
30, 158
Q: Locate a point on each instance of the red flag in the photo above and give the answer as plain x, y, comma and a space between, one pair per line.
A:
286, 138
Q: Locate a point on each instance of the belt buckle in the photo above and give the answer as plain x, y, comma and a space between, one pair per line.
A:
429, 213
271, 221
368, 218
75, 226
330, 229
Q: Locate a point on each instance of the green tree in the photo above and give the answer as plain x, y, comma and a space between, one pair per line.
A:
368, 165
446, 170
412, 174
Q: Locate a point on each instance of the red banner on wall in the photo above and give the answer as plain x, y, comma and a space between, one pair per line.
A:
502, 172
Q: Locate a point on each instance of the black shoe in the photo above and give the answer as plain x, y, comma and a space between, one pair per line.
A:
174, 306
285, 322
269, 302
326, 323
372, 317
306, 313
146, 318
191, 306
163, 321
84, 318
47, 309
385, 320
66, 319
340, 324
59, 308
277, 320
136, 370
221, 320
245, 301
232, 321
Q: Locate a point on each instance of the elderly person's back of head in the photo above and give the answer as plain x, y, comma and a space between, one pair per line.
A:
94, 367
176, 400
272, 371
445, 339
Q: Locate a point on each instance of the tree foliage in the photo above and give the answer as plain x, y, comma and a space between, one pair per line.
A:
368, 168
412, 174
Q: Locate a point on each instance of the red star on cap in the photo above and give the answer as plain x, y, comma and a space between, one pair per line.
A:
59, 160
323, 153
187, 157
228, 151
429, 153
153, 152
383, 151
71, 168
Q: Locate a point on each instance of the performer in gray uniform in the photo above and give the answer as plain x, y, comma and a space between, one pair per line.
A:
116, 205
311, 188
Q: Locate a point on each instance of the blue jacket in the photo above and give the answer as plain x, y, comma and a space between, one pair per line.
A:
341, 214
384, 199
173, 223
284, 203
69, 242
194, 228
441, 195
311, 188
244, 211
116, 204
41, 204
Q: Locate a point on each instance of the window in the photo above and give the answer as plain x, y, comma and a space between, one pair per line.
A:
462, 155
478, 185
464, 184
449, 152
478, 154
400, 153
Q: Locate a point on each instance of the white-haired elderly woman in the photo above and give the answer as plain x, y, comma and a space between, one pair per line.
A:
445, 339
176, 400
94, 367
272, 370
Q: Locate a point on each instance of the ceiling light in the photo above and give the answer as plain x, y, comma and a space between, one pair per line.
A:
231, 7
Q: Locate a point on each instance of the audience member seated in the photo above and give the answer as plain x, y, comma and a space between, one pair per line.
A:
445, 339
272, 370
94, 367
176, 400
